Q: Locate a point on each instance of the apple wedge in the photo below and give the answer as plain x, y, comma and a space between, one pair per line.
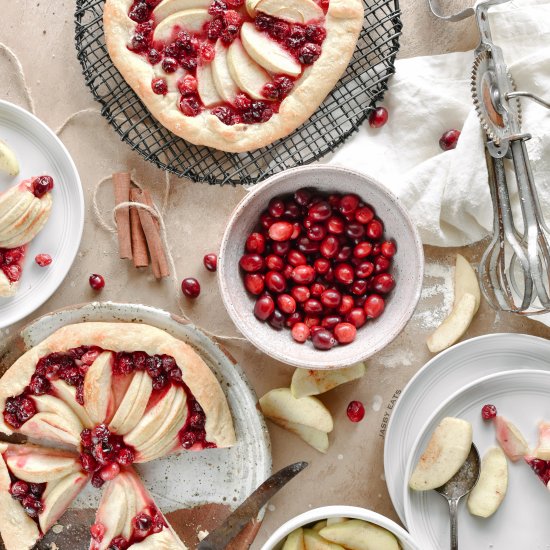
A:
489, 492
8, 160
112, 511
295, 541
314, 541
357, 534
246, 73
171, 7
312, 436
319, 525
333, 521
133, 507
206, 87
51, 426
225, 85
38, 467
510, 439
68, 395
466, 281
51, 404
543, 448
445, 453
314, 382
58, 496
97, 387
267, 53
293, 11
191, 21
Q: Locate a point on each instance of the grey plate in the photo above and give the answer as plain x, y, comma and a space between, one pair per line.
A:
220, 477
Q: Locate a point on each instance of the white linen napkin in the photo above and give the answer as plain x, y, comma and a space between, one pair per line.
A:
447, 193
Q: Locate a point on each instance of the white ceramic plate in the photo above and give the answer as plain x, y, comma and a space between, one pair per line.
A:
441, 377
218, 477
523, 397
39, 151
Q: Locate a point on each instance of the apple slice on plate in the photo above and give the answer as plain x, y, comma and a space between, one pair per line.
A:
295, 541
97, 387
225, 85
171, 7
357, 534
445, 453
246, 73
490, 490
543, 448
293, 11
510, 439
191, 21
314, 382
8, 160
314, 541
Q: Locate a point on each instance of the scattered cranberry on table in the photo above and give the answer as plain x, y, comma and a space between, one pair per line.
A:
449, 140
43, 260
191, 287
318, 264
488, 412
378, 117
97, 282
211, 262
356, 411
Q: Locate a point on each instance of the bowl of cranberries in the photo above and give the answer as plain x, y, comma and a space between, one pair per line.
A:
320, 267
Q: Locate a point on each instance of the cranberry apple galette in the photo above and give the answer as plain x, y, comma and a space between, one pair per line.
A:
232, 74
120, 393
24, 210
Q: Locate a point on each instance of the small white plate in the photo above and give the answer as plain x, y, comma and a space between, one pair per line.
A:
523, 397
441, 377
39, 151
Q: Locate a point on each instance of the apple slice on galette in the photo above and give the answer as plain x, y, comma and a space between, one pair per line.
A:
37, 485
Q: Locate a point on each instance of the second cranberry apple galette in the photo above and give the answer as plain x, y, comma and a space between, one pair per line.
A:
232, 74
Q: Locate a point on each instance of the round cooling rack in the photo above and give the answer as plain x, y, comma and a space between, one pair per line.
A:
341, 114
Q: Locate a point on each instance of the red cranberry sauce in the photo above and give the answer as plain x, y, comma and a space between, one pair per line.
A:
186, 51
11, 262
29, 495
148, 522
540, 467
319, 265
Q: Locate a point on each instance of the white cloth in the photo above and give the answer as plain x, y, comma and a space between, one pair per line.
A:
447, 193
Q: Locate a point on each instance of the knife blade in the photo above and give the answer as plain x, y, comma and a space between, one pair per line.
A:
249, 509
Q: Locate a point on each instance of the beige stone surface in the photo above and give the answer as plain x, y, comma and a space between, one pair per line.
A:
41, 32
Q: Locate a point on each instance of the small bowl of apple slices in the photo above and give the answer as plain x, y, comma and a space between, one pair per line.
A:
345, 527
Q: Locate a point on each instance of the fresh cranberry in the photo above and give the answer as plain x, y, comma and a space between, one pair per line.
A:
346, 305
388, 249
449, 140
264, 307
277, 320
330, 247
88, 462
317, 289
19, 489
356, 411
359, 287
303, 274
252, 263
97, 530
383, 283
488, 412
320, 211
295, 258
345, 333
344, 273
286, 303
356, 317
362, 250
97, 282
191, 287
275, 282
294, 318
364, 215
139, 12
313, 306
42, 185
381, 264
276, 207
348, 204
375, 230
255, 243
189, 106
315, 34
300, 332
374, 306
300, 293
281, 231
378, 117
210, 262
254, 283
331, 298
323, 339
309, 53
143, 522
263, 22
43, 260
321, 266
280, 248
364, 270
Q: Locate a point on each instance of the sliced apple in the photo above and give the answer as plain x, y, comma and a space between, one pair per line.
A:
112, 511
172, 7
295, 541
133, 405
246, 73
356, 534
8, 160
510, 439
333, 521
445, 453
319, 525
224, 83
312, 436
58, 496
491, 487
268, 53
466, 281
40, 467
313, 382
50, 426
51, 404
132, 507
543, 448
206, 86
68, 394
191, 21
251, 7
97, 387
152, 420
293, 11
314, 541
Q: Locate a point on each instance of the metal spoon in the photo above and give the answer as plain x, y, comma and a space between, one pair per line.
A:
457, 487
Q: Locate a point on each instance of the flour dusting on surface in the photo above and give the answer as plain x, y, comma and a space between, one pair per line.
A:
377, 403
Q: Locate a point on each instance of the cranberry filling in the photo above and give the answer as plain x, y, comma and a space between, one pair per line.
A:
540, 467
11, 260
28, 494
318, 265
183, 50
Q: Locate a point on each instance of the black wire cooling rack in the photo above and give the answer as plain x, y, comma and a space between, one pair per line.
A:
343, 111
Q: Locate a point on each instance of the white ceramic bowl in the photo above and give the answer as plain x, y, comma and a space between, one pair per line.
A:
275, 541
408, 265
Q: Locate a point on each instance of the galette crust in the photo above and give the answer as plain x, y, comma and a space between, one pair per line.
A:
343, 24
129, 337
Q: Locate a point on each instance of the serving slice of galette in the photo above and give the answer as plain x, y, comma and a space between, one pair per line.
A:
232, 74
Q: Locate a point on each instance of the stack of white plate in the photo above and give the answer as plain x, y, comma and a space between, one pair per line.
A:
511, 371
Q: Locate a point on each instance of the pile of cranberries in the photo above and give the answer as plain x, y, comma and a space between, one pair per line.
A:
10, 262
28, 494
318, 265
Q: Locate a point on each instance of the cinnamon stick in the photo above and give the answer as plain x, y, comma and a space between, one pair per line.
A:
151, 229
139, 243
121, 185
